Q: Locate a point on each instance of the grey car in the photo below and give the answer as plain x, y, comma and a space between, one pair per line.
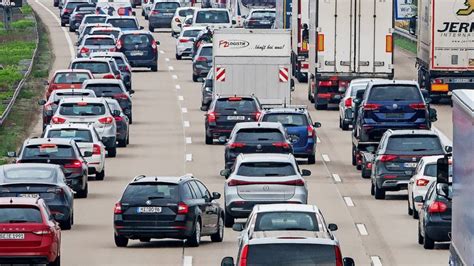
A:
161, 14
206, 90
202, 61
263, 178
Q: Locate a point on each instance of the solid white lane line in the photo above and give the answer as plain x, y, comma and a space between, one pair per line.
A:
178, 87
171, 68
186, 124
349, 201
362, 229
66, 34
187, 261
325, 157
189, 157
318, 140
189, 141
376, 261
336, 177
180, 97
184, 110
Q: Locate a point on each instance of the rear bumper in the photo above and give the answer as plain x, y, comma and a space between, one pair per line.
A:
178, 230
144, 62
109, 142
376, 130
25, 258
438, 230
304, 151
216, 131
393, 184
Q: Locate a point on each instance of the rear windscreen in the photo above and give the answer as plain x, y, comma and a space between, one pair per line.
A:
71, 78
90, 20
82, 109
23, 173
106, 32
421, 144
291, 254
20, 214
170, 6
191, 33
94, 67
206, 51
123, 23
286, 221
266, 169
45, 151
136, 41
185, 12
287, 120
395, 93
259, 135
142, 192
99, 41
101, 89
79, 135
432, 170
238, 104
212, 16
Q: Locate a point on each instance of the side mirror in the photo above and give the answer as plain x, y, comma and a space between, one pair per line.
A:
141, 27
216, 195
116, 113
332, 227
419, 199
442, 170
41, 102
238, 227
448, 149
433, 115
46, 83
234, 22
134, 13
305, 172
203, 108
442, 190
348, 261
11, 154
131, 91
87, 154
227, 261
225, 173
357, 101
317, 124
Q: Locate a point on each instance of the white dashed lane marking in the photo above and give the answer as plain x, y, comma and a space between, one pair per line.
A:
174, 77
376, 261
318, 140
186, 124
187, 261
326, 157
178, 87
184, 110
162, 52
349, 201
189, 140
362, 230
189, 157
167, 59
336, 177
171, 68
180, 97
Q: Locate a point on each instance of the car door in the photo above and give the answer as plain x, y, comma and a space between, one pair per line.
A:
201, 204
212, 209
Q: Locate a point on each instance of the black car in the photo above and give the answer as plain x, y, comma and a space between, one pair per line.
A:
260, 19
434, 224
78, 14
40, 180
63, 152
225, 112
256, 137
206, 91
168, 207
67, 10
123, 123
202, 61
140, 48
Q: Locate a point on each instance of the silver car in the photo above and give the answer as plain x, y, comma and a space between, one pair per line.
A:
96, 43
93, 111
262, 178
185, 41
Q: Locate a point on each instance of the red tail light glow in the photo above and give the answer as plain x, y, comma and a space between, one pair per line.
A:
257, 115
118, 118
418, 106
388, 158
121, 96
109, 76
310, 131
84, 50
243, 256
348, 102
184, 40
58, 120
154, 46
182, 208
118, 45
155, 12
106, 120
211, 117
371, 106
232, 99
201, 59
177, 20
118, 208
96, 149
283, 145
337, 250
236, 145
437, 207
74, 164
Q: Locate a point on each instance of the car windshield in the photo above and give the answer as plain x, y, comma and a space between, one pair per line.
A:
212, 16
51, 151
230, 105
20, 214
22, 173
94, 67
141, 192
82, 109
115, 33
105, 89
99, 41
206, 51
285, 221
191, 33
395, 93
287, 120
263, 14
94, 19
79, 135
130, 41
357, 87
186, 12
259, 135
168, 6
123, 23
266, 169
414, 144
71, 78
291, 254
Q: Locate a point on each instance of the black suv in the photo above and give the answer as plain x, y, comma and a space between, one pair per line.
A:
225, 112
168, 207
140, 48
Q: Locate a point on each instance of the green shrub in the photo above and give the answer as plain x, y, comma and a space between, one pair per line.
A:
23, 24
12, 53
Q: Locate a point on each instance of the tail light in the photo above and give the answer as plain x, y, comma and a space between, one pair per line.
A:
154, 46
42, 232
368, 166
109, 76
121, 96
243, 256
320, 42
338, 254
58, 120
388, 158
437, 81
418, 106
437, 207
348, 102
74, 165
371, 106
67, 10
211, 117
183, 208
283, 145
389, 44
232, 99
236, 145
127, 69
118, 45
118, 118
177, 20
106, 120
310, 131
184, 40
325, 83
118, 76
155, 12
201, 59
56, 190
257, 115
96, 149
422, 182
84, 50
118, 208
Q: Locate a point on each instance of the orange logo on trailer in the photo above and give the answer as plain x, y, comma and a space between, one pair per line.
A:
468, 10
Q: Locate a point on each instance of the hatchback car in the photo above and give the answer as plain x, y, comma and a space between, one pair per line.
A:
179, 17
87, 139
202, 61
225, 112
45, 181
77, 15
215, 18
63, 152
263, 178
122, 121
101, 68
168, 207
122, 63
37, 240
207, 90
260, 19
96, 43
86, 30
125, 23
67, 10
299, 126
161, 14
91, 19
185, 41
140, 48
67, 79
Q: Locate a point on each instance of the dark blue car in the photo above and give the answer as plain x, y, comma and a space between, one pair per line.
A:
299, 127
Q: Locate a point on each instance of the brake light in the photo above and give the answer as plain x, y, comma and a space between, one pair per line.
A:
320, 42
58, 120
155, 12
211, 117
326, 83
236, 145
66, 10
74, 164
418, 106
118, 118
437, 81
371, 106
106, 120
84, 50
121, 96
118, 45
232, 99
154, 46
109, 76
283, 145
96, 149
118, 76
42, 232
182, 208
310, 131
243, 256
201, 59
348, 102
127, 69
257, 115
337, 250
388, 158
118, 208
112, 49
184, 40
437, 207
368, 166
177, 20
389, 44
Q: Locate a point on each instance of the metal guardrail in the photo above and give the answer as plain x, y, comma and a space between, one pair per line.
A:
405, 34
18, 88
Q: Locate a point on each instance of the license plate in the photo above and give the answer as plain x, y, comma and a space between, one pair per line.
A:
265, 22
410, 165
136, 53
29, 195
149, 209
394, 115
236, 117
461, 81
12, 236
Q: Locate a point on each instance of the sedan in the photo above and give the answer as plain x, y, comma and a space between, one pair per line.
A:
185, 41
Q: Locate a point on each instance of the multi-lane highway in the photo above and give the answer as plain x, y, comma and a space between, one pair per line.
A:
167, 138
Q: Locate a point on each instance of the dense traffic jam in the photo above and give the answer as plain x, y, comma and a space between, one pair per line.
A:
87, 114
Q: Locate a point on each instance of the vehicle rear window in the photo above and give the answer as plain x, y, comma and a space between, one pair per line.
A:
79, 135
259, 135
212, 16
263, 14
20, 214
119, 61
191, 33
71, 78
85, 8
170, 6
123, 23
94, 67
23, 173
277, 221
51, 151
72, 5
107, 89
229, 105
290, 254
186, 12
144, 191
99, 41
415, 144
287, 120
115, 33
82, 109
130, 41
394, 93
92, 19
206, 51
114, 105
266, 169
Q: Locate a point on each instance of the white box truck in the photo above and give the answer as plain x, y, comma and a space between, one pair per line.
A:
253, 62
348, 39
445, 55
462, 238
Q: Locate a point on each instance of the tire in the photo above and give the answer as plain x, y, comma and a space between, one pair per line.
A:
120, 241
112, 152
372, 189
219, 235
228, 220
379, 193
321, 106
416, 215
128, 138
134, 6
122, 143
195, 78
63, 24
82, 194
154, 68
428, 242
130, 119
71, 29
359, 167
179, 57
209, 140
56, 262
354, 161
195, 239
151, 29
312, 159
100, 175
143, 12
66, 225
421, 239
146, 17
344, 126
364, 173
410, 210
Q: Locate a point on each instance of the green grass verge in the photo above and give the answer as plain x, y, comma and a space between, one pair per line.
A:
26, 9
11, 53
405, 44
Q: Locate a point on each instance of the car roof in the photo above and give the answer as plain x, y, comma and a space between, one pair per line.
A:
206, 45
290, 110
194, 28
73, 91
96, 15
101, 36
104, 60
401, 132
393, 82
266, 157
292, 237
72, 71
365, 80
132, 32
99, 25
111, 54
83, 99
283, 207
244, 125
187, 7
262, 9
211, 9
106, 28
32, 180
19, 200
58, 141
122, 17
101, 81
70, 126
160, 179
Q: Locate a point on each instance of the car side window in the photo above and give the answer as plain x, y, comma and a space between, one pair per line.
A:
204, 190
430, 191
187, 194
419, 167
196, 190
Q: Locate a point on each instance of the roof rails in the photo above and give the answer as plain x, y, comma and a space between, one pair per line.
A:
138, 177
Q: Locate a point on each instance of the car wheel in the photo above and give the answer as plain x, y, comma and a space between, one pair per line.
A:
128, 138
122, 143
66, 225
154, 68
120, 241
151, 29
345, 126
354, 162
321, 106
130, 119
340, 123
359, 167
410, 210
143, 12
209, 140
312, 159
415, 214
372, 189
228, 220
82, 194
195, 239
56, 262
71, 29
63, 24
146, 17
195, 78
100, 175
379, 193
179, 57
421, 239
219, 235
112, 152
428, 243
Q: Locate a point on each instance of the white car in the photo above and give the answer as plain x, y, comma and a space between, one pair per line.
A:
424, 176
179, 17
185, 41
87, 139
214, 18
91, 19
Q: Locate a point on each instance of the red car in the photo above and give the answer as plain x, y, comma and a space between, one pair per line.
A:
68, 79
28, 232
